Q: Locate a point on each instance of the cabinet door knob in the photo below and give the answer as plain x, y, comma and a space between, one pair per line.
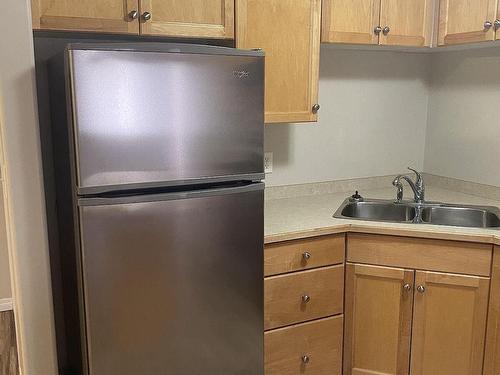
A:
305, 298
133, 14
377, 30
146, 16
497, 24
315, 108
407, 287
386, 30
306, 256
421, 289
487, 25
305, 359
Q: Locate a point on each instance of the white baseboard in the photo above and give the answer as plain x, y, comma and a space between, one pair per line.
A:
6, 304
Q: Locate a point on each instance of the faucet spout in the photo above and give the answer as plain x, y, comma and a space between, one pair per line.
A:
417, 187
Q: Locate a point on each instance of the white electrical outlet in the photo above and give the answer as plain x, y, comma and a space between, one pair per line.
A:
268, 162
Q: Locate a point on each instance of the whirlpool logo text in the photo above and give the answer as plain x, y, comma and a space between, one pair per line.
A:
240, 74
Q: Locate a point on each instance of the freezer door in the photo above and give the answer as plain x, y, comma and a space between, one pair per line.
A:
144, 119
173, 284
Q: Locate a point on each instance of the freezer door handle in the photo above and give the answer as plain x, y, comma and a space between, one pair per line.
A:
200, 193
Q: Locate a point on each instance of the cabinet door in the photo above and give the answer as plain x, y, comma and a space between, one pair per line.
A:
350, 21
109, 16
378, 313
289, 33
497, 22
463, 21
188, 18
449, 324
408, 22
492, 351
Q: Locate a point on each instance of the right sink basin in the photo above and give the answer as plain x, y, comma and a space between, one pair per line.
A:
461, 216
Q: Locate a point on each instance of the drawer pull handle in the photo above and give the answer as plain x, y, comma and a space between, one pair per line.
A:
306, 298
421, 289
305, 359
306, 256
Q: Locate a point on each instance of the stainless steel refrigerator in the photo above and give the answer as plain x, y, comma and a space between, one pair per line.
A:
166, 156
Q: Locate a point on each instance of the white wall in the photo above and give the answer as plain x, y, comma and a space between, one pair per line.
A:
463, 134
5, 288
24, 189
372, 120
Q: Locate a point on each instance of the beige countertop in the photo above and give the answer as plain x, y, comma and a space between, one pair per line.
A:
312, 215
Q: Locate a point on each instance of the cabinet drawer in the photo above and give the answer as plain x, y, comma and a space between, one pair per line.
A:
299, 255
320, 341
425, 254
303, 296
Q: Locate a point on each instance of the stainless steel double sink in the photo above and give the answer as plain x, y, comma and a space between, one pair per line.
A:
424, 213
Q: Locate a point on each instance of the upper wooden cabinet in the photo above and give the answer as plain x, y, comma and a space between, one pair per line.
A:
289, 33
496, 24
386, 22
350, 21
177, 18
110, 16
188, 18
449, 321
406, 23
466, 21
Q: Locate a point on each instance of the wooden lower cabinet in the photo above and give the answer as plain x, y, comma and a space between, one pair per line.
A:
378, 313
309, 348
302, 296
492, 354
303, 254
449, 324
445, 315
8, 346
410, 307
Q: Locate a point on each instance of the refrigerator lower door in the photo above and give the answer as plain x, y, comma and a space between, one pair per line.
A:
173, 283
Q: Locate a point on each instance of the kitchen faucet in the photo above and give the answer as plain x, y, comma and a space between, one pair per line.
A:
417, 186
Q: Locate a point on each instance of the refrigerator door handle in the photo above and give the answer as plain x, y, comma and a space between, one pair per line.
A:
200, 193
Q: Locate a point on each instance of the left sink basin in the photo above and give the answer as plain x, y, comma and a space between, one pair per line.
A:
377, 210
